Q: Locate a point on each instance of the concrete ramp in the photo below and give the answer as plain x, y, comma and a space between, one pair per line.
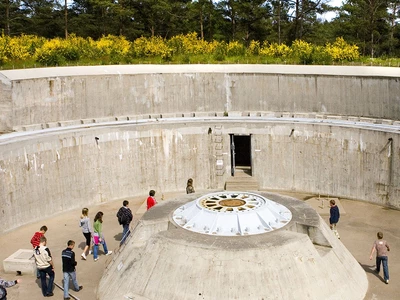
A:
302, 260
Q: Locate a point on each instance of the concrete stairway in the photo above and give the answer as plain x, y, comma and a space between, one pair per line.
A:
242, 181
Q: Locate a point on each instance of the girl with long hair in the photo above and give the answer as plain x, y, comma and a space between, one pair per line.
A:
98, 237
86, 230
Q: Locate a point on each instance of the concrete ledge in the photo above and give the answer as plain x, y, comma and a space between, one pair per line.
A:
34, 127
87, 121
367, 120
21, 260
105, 119
52, 124
69, 123
168, 115
121, 118
204, 114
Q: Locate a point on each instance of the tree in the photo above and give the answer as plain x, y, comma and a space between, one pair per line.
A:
364, 22
42, 17
245, 19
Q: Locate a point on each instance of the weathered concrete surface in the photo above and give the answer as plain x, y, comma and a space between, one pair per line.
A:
357, 229
21, 260
66, 168
41, 96
169, 262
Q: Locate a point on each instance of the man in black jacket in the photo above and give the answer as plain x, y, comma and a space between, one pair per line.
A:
125, 217
69, 263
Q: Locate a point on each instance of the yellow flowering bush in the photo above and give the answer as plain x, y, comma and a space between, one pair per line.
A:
51, 52
302, 50
190, 44
235, 48
17, 48
254, 48
150, 47
117, 49
340, 50
112, 45
275, 50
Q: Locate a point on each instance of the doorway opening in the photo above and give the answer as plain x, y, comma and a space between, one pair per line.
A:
240, 154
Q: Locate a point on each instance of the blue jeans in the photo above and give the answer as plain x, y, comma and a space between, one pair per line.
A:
67, 276
384, 260
125, 233
96, 248
47, 288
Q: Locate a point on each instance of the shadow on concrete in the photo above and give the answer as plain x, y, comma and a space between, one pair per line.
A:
82, 245
371, 269
118, 237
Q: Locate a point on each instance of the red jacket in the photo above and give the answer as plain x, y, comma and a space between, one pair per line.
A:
151, 202
35, 240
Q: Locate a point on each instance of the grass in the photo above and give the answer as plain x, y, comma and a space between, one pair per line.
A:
200, 59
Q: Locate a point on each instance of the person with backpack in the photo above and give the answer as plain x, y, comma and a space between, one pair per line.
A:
125, 217
45, 265
35, 241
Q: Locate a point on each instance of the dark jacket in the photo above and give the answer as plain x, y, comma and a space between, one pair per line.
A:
68, 260
335, 215
124, 215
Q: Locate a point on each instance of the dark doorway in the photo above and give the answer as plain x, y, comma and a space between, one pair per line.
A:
241, 153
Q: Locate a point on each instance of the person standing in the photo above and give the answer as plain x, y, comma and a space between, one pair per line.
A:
125, 217
45, 265
334, 217
86, 230
189, 186
35, 241
98, 237
6, 284
381, 247
151, 201
68, 266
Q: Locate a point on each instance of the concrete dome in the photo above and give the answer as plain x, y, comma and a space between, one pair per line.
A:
232, 213
302, 260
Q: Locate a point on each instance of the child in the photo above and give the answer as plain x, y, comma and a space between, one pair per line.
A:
98, 237
86, 230
69, 271
6, 284
189, 186
35, 240
151, 201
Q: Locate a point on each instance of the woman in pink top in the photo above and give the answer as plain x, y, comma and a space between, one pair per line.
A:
151, 201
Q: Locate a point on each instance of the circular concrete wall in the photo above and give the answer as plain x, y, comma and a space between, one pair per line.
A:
77, 162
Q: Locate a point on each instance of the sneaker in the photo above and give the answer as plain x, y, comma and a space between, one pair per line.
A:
90, 252
387, 281
96, 259
68, 298
109, 252
83, 256
49, 295
80, 287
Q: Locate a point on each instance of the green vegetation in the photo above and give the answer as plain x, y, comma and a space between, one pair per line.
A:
32, 51
372, 26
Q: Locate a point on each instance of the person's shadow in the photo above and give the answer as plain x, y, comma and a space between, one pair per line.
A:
372, 270
118, 237
82, 245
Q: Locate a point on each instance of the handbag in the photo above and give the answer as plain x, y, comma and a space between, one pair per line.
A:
96, 239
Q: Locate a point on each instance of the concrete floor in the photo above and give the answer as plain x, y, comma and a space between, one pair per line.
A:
357, 228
